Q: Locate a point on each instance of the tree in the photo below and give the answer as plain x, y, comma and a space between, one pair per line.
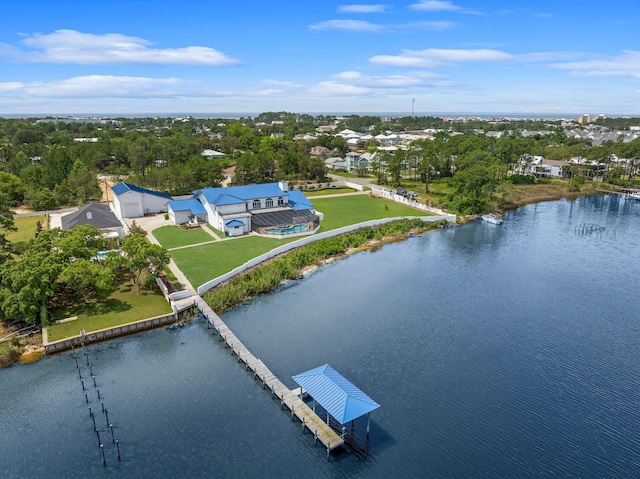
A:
89, 279
6, 225
142, 257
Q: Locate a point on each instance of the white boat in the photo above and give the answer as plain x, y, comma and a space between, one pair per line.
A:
493, 218
634, 195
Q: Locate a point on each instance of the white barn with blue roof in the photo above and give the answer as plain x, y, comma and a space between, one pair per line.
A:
131, 201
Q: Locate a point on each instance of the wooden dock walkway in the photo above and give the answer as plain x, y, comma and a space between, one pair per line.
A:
297, 407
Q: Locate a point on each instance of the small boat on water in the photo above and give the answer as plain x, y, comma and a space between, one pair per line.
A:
633, 195
493, 218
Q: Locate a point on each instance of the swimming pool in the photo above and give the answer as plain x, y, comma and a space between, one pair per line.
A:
284, 231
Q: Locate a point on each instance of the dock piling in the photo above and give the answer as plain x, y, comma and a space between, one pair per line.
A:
104, 461
118, 449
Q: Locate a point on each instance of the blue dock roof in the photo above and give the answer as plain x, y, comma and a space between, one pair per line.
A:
335, 394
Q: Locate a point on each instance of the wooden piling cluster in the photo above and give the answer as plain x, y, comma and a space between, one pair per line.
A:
92, 415
291, 399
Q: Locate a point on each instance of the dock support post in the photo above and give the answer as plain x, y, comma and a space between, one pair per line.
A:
281, 400
315, 437
302, 424
343, 430
118, 448
104, 461
368, 422
79, 374
99, 394
113, 439
94, 382
328, 449
292, 413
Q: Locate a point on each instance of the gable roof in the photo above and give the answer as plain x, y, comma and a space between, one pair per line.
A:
96, 214
234, 223
123, 187
192, 205
298, 201
241, 194
335, 394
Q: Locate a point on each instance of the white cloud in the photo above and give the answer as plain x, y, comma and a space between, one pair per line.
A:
432, 57
71, 46
391, 81
438, 26
362, 8
354, 25
441, 6
626, 65
333, 88
11, 86
98, 86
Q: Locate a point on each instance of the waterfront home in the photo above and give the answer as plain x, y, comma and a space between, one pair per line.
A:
268, 208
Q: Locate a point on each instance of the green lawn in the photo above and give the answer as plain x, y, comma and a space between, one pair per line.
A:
328, 191
348, 210
174, 236
26, 228
218, 232
203, 263
123, 306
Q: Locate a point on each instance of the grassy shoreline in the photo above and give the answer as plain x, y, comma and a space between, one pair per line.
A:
267, 276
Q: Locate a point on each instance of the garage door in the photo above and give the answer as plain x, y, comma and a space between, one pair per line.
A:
132, 210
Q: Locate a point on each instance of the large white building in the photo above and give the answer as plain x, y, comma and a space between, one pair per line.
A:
132, 201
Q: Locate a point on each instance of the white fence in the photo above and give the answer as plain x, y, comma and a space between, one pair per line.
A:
309, 239
390, 195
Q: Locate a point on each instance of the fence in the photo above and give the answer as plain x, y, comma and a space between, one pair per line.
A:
305, 241
390, 195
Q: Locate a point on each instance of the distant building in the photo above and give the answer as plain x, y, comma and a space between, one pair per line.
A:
212, 154
584, 119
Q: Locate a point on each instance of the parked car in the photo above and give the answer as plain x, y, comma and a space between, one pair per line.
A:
412, 195
401, 191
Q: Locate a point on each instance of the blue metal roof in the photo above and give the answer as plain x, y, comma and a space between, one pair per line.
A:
241, 194
335, 394
194, 206
123, 187
298, 201
234, 223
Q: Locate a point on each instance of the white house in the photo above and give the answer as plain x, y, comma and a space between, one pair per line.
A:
268, 208
132, 201
212, 154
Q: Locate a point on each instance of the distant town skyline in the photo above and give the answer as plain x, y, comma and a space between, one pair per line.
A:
451, 57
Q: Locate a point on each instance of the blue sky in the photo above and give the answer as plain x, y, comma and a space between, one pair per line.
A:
462, 56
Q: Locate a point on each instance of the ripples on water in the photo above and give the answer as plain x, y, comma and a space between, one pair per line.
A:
495, 351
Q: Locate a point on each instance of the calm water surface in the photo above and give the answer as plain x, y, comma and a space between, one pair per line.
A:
495, 351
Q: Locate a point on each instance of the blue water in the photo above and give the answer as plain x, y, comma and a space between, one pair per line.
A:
503, 351
290, 229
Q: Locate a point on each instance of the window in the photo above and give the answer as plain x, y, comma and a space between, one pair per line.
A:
256, 204
269, 203
280, 201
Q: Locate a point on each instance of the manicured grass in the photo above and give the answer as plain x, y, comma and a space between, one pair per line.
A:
26, 228
218, 232
123, 306
174, 236
328, 191
205, 262
348, 210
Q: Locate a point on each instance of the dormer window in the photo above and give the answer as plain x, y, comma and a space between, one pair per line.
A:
256, 204
269, 203
280, 201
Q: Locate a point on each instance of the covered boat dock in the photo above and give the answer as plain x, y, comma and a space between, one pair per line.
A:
340, 398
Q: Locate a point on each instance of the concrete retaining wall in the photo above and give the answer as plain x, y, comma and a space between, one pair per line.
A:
107, 333
304, 241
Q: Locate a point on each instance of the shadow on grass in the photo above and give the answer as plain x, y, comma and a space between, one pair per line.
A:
107, 306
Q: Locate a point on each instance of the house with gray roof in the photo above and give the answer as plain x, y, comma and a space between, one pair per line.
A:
95, 214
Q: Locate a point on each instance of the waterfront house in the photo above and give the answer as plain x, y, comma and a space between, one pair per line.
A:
268, 208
